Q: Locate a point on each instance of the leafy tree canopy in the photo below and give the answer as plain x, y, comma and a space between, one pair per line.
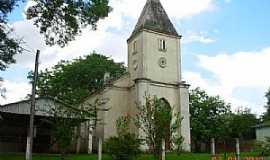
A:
207, 115
211, 117
64, 120
241, 124
60, 21
8, 46
266, 115
73, 81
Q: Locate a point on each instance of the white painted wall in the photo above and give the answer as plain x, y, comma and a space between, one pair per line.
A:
261, 133
148, 56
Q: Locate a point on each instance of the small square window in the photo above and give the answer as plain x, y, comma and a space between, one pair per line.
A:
162, 45
134, 47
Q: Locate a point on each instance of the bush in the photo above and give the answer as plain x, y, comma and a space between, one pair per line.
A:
124, 147
264, 147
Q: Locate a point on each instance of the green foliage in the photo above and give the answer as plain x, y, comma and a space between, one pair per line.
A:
264, 147
211, 117
122, 125
73, 81
8, 46
178, 141
126, 145
65, 119
266, 115
241, 125
155, 119
207, 116
61, 20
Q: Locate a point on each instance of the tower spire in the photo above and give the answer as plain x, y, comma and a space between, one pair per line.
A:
154, 18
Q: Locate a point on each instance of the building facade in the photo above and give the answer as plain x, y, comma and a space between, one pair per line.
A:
263, 131
154, 68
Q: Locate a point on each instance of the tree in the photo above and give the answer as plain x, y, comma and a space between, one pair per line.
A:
8, 46
266, 115
60, 21
208, 117
155, 119
64, 120
73, 81
241, 124
264, 147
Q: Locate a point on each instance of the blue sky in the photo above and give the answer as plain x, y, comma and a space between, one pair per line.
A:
225, 46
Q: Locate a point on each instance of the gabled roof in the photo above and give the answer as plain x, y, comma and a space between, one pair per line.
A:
155, 18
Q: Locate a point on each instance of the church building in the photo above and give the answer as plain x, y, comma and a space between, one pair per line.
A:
154, 68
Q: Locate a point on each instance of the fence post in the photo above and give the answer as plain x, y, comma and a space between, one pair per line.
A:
163, 149
237, 149
100, 148
213, 147
90, 141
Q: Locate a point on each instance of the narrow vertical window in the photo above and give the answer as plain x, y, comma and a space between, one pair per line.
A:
134, 47
162, 45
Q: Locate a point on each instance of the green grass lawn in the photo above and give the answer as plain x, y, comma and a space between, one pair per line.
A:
184, 156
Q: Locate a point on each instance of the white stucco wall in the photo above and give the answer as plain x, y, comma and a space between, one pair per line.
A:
261, 133
185, 114
117, 97
148, 56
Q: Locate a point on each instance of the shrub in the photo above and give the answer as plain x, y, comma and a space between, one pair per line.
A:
126, 145
264, 147
178, 142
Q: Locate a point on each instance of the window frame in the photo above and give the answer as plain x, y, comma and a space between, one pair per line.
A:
162, 45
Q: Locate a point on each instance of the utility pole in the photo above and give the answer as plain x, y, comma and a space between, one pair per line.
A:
29, 146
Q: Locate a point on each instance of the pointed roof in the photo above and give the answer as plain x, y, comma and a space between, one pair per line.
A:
155, 18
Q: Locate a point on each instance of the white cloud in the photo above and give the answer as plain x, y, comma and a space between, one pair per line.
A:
197, 37
109, 39
124, 15
15, 91
187, 8
242, 72
175, 8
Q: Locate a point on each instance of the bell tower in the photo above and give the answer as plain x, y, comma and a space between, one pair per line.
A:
154, 46
154, 63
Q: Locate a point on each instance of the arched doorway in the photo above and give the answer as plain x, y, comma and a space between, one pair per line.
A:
166, 111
